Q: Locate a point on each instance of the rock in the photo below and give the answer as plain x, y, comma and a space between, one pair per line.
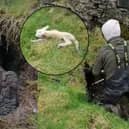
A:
9, 85
96, 12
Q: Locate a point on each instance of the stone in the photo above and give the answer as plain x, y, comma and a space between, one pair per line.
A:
9, 85
101, 10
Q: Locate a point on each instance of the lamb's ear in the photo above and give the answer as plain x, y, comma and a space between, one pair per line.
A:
46, 27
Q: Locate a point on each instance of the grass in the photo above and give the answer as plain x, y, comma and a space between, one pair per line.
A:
65, 106
45, 56
17, 7
62, 101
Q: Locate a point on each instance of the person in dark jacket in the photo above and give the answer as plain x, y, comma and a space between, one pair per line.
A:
105, 58
110, 57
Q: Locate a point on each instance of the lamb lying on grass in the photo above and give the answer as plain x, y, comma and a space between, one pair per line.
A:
67, 38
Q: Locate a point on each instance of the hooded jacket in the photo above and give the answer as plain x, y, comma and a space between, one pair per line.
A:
106, 58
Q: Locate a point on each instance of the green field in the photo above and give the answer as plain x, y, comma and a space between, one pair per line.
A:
45, 56
62, 101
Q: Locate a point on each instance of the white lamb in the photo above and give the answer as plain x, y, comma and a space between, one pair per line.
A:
67, 38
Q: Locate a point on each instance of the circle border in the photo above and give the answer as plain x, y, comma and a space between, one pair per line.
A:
48, 5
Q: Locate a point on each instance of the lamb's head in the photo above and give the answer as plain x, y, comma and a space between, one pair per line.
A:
41, 32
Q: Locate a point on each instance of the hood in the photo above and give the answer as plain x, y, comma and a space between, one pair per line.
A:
111, 29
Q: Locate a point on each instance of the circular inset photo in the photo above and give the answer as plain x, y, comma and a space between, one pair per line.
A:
54, 40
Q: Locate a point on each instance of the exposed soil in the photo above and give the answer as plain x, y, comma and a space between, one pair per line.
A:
18, 86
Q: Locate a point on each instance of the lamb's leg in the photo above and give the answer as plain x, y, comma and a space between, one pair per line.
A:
65, 43
36, 40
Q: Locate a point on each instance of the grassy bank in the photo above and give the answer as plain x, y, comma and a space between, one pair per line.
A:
63, 105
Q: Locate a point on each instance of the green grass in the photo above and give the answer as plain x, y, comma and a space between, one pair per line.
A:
65, 106
45, 56
63, 103
17, 7
96, 41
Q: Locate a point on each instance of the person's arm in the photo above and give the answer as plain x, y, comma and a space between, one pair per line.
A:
98, 65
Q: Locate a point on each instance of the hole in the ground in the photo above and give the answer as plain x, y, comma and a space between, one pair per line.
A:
8, 55
9, 83
2, 50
